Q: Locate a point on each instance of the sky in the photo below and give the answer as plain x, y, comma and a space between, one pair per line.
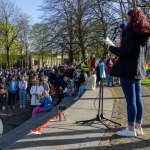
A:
30, 7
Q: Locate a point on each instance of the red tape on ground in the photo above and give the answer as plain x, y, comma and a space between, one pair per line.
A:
40, 128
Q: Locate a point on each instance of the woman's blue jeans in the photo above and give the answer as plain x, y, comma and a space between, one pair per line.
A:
133, 93
109, 79
22, 96
81, 90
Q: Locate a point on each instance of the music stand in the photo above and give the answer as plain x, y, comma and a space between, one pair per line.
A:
100, 115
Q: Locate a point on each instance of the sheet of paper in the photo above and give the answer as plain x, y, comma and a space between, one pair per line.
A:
109, 42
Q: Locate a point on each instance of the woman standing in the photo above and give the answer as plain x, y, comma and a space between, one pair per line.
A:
22, 91
131, 68
36, 92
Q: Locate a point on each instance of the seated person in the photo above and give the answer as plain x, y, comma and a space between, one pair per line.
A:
64, 86
76, 77
89, 84
46, 104
70, 87
62, 90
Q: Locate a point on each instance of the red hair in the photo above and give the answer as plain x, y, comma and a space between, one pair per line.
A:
138, 21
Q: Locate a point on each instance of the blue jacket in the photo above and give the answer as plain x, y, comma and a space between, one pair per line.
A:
46, 102
11, 87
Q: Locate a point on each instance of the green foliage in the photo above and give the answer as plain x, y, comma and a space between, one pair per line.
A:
146, 81
40, 37
14, 54
7, 39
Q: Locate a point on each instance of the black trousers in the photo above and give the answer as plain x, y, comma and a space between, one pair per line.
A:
3, 99
11, 99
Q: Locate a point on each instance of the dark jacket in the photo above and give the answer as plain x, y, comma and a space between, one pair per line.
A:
132, 54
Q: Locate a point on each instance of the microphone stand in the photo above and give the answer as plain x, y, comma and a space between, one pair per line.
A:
100, 115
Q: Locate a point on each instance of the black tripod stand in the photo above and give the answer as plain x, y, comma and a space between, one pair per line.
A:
100, 116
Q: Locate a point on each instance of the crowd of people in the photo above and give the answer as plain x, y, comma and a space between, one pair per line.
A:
57, 82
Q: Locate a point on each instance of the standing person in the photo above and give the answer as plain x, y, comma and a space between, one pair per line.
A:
101, 70
45, 84
36, 92
109, 64
131, 68
13, 87
91, 61
22, 91
97, 69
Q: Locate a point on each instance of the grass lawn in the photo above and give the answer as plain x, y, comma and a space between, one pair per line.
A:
146, 81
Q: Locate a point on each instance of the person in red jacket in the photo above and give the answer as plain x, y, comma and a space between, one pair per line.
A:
91, 61
109, 64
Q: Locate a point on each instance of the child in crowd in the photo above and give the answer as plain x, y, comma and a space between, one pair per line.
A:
45, 104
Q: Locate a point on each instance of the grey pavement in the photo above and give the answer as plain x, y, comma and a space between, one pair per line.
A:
12, 120
111, 141
64, 134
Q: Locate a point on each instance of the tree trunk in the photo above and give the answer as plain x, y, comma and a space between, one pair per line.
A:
26, 59
83, 51
22, 62
132, 3
71, 58
42, 55
121, 8
62, 56
8, 57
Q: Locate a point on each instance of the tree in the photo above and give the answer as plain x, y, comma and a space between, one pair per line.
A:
80, 25
62, 24
23, 40
11, 22
40, 36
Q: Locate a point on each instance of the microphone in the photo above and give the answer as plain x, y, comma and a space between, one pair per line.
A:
116, 30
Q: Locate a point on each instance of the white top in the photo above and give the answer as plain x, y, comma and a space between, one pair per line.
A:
91, 82
23, 85
35, 91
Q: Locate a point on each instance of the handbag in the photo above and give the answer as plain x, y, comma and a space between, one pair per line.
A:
117, 69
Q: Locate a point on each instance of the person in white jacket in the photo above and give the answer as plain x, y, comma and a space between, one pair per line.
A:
36, 92
90, 83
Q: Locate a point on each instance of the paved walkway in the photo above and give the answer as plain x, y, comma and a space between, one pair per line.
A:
114, 142
13, 120
64, 134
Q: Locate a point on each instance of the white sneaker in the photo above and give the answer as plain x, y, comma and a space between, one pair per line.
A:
20, 106
24, 106
127, 132
139, 131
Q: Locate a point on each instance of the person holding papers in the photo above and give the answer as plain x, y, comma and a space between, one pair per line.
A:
130, 67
